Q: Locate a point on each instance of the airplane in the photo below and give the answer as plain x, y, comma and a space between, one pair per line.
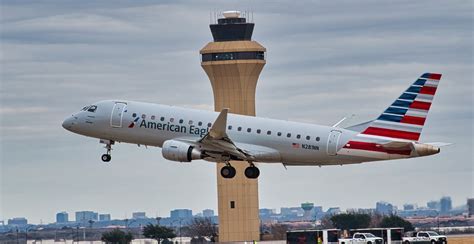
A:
188, 134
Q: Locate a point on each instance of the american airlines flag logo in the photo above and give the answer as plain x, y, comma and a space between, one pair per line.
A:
133, 122
295, 145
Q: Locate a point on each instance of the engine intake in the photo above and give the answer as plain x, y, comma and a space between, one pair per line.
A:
180, 151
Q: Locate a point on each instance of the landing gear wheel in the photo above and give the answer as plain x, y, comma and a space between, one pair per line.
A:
228, 172
106, 157
252, 172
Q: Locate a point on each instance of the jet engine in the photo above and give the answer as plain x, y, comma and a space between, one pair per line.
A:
180, 151
425, 149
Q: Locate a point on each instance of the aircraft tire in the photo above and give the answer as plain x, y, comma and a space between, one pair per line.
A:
252, 172
106, 158
228, 172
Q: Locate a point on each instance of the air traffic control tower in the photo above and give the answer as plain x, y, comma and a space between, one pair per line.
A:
233, 63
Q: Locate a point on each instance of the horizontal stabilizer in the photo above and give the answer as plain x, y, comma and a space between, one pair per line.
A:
439, 144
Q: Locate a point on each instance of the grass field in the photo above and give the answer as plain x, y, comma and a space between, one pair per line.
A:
461, 239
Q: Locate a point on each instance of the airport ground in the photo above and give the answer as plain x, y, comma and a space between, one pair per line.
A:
452, 239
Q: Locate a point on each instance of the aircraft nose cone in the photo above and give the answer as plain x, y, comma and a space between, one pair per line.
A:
68, 123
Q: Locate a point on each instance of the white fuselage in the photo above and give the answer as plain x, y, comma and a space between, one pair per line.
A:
153, 124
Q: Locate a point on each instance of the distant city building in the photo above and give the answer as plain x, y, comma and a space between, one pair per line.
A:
18, 221
293, 211
470, 206
361, 210
333, 211
181, 214
84, 216
408, 206
445, 204
104, 217
207, 213
62, 217
139, 215
384, 208
433, 205
420, 212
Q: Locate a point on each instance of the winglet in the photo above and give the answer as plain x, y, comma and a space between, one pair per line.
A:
219, 127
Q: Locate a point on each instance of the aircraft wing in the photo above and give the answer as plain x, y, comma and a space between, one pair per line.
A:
218, 140
217, 145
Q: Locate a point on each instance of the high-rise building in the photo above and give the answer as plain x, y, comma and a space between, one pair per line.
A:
433, 205
104, 217
207, 213
384, 208
21, 221
233, 62
408, 206
445, 204
470, 206
139, 215
85, 216
181, 214
62, 217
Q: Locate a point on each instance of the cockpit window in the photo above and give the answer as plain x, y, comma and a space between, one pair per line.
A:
92, 108
85, 108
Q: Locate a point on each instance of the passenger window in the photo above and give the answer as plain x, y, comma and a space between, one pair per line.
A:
181, 121
288, 135
209, 124
143, 116
258, 131
153, 117
171, 119
279, 133
190, 122
317, 138
199, 123
239, 129
269, 132
308, 138
134, 115
162, 118
229, 127
249, 130
92, 108
298, 136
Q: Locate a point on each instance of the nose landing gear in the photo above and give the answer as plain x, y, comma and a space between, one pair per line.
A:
108, 145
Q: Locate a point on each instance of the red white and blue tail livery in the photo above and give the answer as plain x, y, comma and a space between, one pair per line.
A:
397, 130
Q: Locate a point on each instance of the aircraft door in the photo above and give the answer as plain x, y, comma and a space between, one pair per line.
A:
117, 114
333, 141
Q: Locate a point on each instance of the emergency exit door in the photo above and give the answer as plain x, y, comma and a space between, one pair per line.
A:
117, 114
333, 141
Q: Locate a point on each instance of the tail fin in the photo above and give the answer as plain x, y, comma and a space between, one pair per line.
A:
404, 119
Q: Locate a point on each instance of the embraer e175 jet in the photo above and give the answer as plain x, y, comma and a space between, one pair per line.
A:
187, 134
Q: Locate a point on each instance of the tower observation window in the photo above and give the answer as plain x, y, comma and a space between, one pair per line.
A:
233, 56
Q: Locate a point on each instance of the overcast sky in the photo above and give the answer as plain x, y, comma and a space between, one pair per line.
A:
325, 60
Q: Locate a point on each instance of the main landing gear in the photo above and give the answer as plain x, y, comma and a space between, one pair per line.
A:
108, 145
229, 172
252, 172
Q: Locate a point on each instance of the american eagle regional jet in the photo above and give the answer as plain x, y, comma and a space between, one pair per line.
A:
187, 134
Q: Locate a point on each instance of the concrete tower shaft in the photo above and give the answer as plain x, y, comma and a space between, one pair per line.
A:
233, 63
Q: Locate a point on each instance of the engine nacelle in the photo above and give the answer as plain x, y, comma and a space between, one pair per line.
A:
180, 151
425, 149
